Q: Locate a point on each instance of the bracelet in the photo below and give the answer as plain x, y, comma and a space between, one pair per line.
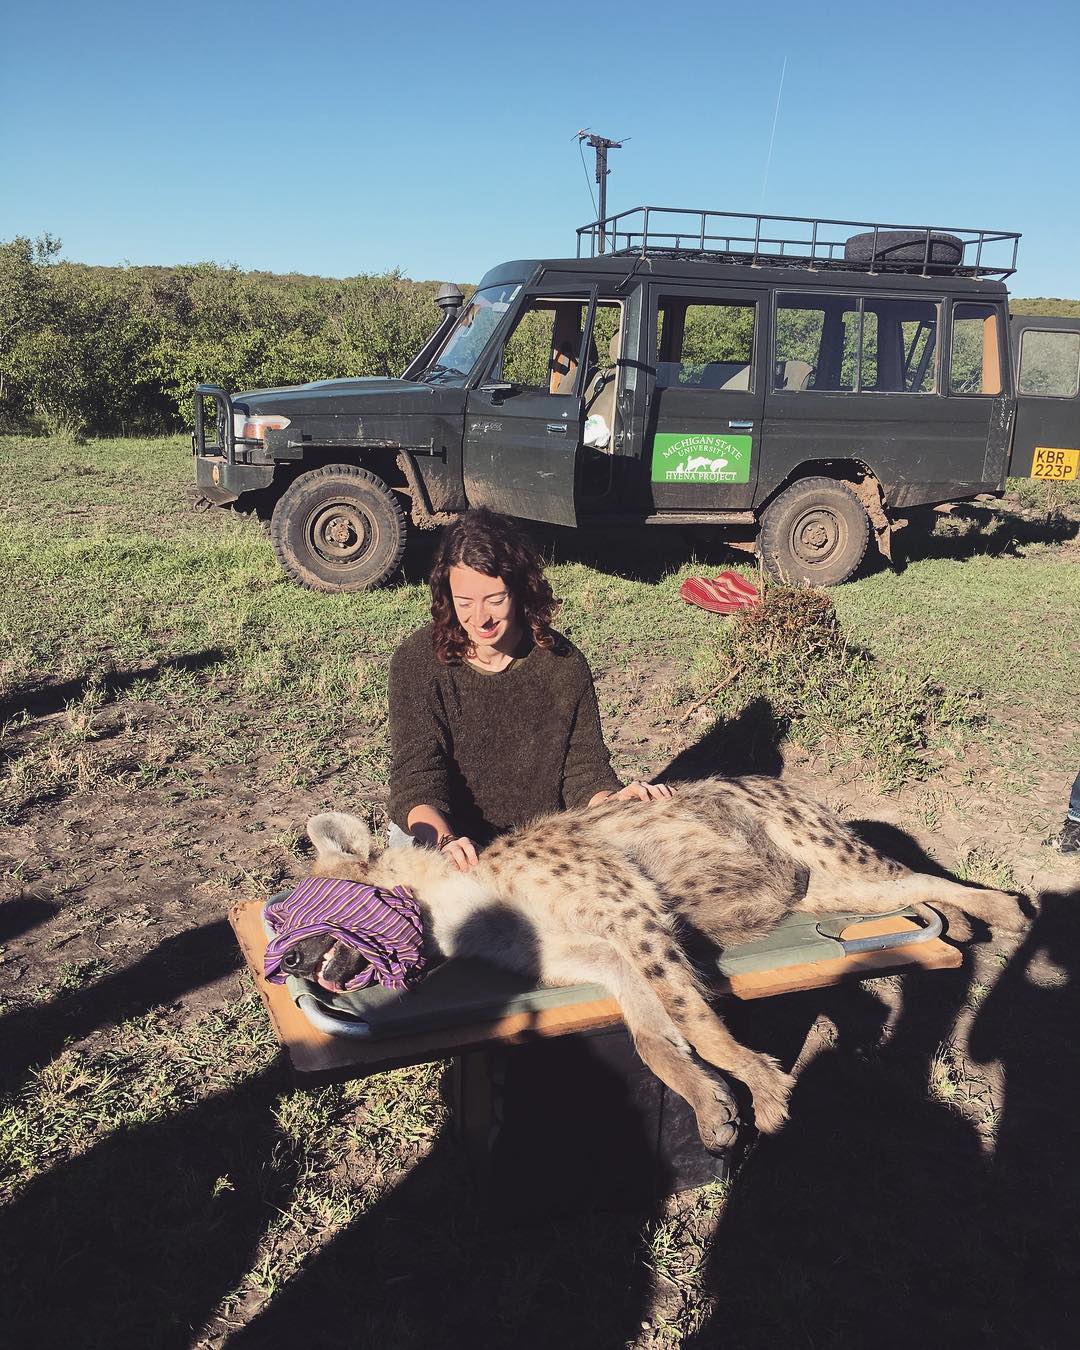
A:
444, 840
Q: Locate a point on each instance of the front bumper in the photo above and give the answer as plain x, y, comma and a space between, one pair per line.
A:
223, 482
220, 473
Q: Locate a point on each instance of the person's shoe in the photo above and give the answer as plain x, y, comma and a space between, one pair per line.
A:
1068, 840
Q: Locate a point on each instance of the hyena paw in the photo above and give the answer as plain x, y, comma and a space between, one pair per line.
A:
717, 1116
770, 1089
1010, 917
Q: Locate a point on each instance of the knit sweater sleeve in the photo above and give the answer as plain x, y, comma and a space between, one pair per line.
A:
588, 761
419, 737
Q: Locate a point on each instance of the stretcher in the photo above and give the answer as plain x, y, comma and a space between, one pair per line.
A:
468, 1004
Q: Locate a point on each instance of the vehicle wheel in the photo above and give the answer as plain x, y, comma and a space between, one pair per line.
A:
338, 529
814, 533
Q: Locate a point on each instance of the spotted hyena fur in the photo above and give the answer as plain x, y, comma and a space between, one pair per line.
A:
606, 894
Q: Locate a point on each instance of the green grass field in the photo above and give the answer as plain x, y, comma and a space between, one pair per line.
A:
172, 711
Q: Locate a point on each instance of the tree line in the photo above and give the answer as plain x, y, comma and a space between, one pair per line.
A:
120, 349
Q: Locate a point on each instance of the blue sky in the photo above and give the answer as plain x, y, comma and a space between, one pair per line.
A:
336, 138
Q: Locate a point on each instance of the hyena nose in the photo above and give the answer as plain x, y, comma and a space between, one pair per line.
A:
292, 959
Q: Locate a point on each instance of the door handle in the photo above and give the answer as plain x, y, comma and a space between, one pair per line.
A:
556, 428
740, 426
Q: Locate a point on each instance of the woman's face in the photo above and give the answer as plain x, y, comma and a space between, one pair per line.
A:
483, 605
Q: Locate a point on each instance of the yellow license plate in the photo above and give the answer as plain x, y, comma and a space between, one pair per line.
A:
1057, 464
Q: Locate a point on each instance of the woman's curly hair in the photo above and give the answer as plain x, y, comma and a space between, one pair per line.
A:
492, 544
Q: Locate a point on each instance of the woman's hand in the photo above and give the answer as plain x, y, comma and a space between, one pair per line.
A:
461, 851
635, 792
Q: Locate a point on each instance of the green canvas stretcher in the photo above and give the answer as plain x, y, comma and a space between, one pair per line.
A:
466, 990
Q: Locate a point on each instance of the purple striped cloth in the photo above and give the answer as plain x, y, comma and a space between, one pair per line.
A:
383, 926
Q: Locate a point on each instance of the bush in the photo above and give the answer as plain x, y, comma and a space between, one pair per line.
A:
792, 652
120, 349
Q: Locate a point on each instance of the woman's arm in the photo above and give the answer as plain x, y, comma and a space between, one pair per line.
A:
587, 771
431, 828
419, 776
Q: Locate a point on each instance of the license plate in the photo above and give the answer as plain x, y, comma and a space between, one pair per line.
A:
1057, 464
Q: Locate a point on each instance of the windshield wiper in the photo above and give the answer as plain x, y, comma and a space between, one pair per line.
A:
439, 369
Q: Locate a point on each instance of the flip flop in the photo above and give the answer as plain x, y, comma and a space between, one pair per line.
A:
724, 595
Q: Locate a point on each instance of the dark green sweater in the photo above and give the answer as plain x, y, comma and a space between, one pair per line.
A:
492, 751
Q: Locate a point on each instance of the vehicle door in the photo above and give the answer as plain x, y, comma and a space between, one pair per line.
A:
979, 396
524, 419
703, 426
1046, 435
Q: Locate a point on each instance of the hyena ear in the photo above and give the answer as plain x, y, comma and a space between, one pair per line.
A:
336, 834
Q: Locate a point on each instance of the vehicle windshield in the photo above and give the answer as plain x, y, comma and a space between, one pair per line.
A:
469, 336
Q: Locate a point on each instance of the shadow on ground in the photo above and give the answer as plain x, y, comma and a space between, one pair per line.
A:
49, 697
972, 530
877, 1217
32, 1035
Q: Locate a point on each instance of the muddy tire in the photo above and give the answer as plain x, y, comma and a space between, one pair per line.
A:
814, 533
339, 528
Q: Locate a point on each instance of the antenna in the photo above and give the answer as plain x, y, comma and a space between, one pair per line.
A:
601, 144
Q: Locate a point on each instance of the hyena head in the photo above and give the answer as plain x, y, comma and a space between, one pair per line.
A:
344, 849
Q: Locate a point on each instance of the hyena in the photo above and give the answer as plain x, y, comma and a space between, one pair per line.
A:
607, 894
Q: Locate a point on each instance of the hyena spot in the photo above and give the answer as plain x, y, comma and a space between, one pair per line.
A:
671, 954
645, 948
655, 971
561, 869
652, 926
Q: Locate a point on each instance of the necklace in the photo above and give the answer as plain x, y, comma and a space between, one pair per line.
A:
496, 662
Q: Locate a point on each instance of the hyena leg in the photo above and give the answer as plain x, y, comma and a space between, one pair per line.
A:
656, 1038
828, 894
643, 939
670, 1056
672, 982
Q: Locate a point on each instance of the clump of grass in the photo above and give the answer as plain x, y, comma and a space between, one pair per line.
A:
1050, 498
792, 652
984, 867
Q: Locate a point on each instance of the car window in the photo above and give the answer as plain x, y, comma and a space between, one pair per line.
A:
975, 359
1049, 363
816, 343
470, 335
899, 346
704, 345
845, 343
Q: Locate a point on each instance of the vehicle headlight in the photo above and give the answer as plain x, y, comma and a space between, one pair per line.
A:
254, 426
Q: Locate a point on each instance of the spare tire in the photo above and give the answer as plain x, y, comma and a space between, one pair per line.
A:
905, 248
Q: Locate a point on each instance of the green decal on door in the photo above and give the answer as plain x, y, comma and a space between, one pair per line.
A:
693, 458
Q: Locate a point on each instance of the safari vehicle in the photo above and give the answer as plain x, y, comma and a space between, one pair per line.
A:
796, 384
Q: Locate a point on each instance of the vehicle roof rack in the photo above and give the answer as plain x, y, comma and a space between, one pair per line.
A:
799, 241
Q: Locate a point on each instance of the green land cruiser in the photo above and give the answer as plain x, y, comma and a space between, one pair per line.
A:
796, 384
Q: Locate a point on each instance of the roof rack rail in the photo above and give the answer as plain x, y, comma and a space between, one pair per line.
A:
800, 241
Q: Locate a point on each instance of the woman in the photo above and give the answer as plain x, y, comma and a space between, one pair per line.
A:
493, 716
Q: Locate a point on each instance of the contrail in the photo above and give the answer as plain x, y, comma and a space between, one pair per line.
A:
772, 137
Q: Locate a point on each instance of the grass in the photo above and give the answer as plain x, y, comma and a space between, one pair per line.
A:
159, 678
